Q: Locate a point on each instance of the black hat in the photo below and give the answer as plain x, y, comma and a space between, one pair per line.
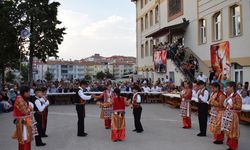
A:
200, 82
38, 90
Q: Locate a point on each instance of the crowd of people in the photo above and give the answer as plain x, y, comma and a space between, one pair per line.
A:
224, 97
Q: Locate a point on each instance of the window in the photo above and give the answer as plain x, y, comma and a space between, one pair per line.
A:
157, 41
202, 31
156, 14
235, 20
146, 48
142, 4
151, 18
175, 9
142, 51
151, 47
146, 1
146, 21
142, 25
217, 26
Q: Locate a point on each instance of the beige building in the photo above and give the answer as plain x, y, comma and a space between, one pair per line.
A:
199, 24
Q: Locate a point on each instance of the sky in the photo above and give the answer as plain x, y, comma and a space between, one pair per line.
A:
106, 27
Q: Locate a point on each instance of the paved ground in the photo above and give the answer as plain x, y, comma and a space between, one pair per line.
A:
162, 126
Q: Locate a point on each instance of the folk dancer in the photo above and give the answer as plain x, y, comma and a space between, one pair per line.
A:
106, 107
186, 96
137, 110
44, 99
230, 119
39, 108
203, 96
22, 119
80, 101
118, 126
216, 102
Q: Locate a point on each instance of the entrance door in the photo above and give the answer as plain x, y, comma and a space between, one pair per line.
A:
238, 75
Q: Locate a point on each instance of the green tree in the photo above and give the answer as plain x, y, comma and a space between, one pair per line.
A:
9, 43
48, 76
24, 73
100, 75
109, 75
40, 17
88, 77
10, 77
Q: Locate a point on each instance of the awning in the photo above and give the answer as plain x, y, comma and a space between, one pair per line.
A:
181, 26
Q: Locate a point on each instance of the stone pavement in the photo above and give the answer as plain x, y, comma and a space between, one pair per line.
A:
162, 125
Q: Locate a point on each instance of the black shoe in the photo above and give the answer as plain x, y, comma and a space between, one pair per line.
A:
200, 134
45, 135
186, 127
229, 149
218, 142
41, 144
83, 135
134, 130
139, 131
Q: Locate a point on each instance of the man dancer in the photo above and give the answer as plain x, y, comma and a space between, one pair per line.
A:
39, 107
137, 110
21, 114
216, 101
80, 101
44, 99
203, 96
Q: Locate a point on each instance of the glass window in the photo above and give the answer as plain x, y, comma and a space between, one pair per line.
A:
146, 21
146, 48
142, 4
151, 18
151, 47
235, 20
142, 51
156, 14
203, 31
217, 20
142, 25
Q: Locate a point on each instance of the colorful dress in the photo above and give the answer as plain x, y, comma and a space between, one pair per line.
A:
216, 101
23, 121
186, 96
106, 106
118, 119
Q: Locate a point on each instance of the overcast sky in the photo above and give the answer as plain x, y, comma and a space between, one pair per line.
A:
97, 26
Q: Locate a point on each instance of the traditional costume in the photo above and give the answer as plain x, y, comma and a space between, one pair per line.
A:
39, 107
106, 107
186, 96
203, 96
80, 101
137, 110
216, 101
118, 119
230, 119
44, 117
23, 121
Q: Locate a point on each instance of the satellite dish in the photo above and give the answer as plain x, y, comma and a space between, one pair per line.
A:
25, 33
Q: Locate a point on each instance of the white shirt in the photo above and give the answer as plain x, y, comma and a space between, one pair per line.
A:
146, 89
246, 100
155, 89
40, 105
205, 97
138, 98
202, 78
82, 95
195, 94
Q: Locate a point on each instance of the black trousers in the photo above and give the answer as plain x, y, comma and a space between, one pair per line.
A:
137, 119
38, 118
202, 116
80, 109
46, 118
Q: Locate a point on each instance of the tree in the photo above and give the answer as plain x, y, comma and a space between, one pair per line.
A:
24, 73
40, 17
88, 77
48, 76
109, 75
9, 43
10, 77
100, 75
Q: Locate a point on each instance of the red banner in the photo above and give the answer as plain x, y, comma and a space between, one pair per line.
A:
160, 61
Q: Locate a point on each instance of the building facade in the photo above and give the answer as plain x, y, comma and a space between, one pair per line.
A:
200, 25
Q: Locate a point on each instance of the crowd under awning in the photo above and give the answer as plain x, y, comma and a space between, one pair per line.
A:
177, 28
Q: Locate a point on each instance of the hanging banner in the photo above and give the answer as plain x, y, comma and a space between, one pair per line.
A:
220, 60
160, 61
